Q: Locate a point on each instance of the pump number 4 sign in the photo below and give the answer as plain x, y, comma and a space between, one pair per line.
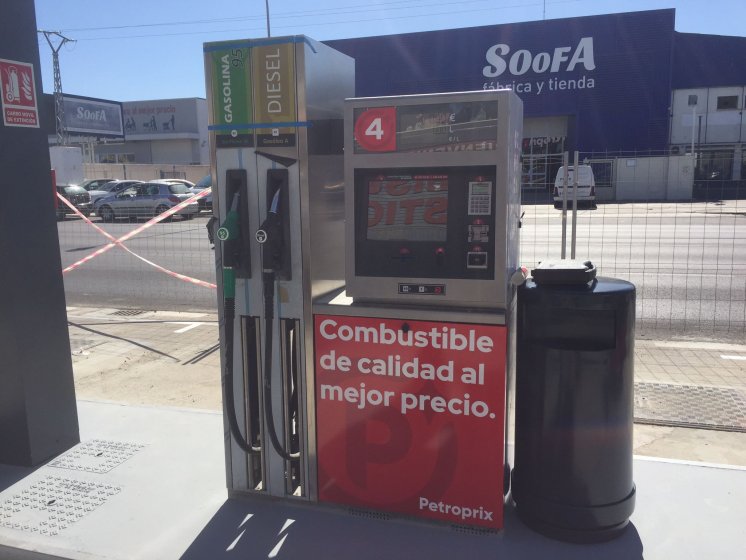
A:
375, 129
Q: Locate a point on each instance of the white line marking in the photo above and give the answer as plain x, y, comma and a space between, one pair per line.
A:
234, 543
276, 549
288, 523
189, 326
725, 357
714, 346
245, 519
690, 463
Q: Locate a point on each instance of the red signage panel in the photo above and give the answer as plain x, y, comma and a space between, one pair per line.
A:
410, 417
18, 94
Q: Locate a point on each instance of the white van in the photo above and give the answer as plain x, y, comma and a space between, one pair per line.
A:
586, 186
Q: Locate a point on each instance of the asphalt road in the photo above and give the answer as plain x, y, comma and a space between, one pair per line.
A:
688, 261
118, 279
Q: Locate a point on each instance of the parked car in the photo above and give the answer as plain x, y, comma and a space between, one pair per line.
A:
94, 184
145, 200
187, 184
78, 196
586, 188
111, 187
205, 203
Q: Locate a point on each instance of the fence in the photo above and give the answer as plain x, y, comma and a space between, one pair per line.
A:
676, 231
678, 234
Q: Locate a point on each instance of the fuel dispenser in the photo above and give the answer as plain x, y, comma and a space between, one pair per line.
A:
276, 123
413, 360
390, 395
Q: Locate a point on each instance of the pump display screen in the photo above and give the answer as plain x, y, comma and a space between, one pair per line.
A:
425, 222
407, 208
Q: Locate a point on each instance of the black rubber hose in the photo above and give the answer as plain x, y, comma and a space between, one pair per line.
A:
269, 313
229, 315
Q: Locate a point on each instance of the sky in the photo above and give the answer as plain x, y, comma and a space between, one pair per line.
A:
152, 49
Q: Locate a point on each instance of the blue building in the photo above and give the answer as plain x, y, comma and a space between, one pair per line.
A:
616, 84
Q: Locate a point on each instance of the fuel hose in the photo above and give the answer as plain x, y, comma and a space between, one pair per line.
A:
229, 315
272, 248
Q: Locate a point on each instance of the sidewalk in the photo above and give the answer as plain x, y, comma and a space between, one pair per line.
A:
690, 400
690, 396
148, 481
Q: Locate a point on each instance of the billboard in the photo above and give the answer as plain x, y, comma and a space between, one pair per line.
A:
151, 120
93, 117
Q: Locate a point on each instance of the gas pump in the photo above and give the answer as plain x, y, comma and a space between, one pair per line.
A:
414, 360
366, 306
276, 122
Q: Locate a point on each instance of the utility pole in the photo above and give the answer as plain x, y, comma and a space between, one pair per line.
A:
266, 5
59, 107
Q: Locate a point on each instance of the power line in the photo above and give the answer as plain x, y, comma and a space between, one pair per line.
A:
282, 15
307, 24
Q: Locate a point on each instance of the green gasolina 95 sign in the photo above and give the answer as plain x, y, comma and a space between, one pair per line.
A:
232, 111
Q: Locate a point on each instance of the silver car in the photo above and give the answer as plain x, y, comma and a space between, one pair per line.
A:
145, 200
110, 187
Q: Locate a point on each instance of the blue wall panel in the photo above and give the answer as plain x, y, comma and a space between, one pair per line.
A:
622, 81
708, 61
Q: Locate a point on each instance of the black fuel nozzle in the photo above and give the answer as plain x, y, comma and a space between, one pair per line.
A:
269, 235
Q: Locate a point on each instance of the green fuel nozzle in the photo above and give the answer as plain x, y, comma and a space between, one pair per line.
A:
228, 234
229, 229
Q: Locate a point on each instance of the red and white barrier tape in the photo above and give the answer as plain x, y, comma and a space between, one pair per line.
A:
146, 225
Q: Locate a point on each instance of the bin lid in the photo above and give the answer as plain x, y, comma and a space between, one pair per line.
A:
564, 272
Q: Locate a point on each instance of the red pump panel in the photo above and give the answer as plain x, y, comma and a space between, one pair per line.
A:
410, 417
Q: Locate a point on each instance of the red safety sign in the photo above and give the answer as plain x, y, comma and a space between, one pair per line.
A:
410, 417
119, 242
18, 94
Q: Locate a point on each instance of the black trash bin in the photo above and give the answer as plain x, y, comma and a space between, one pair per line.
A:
572, 478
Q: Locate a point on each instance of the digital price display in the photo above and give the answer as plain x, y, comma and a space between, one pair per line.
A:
464, 126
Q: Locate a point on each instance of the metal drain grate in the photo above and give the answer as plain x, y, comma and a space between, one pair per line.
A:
96, 456
691, 406
367, 514
53, 504
477, 531
128, 312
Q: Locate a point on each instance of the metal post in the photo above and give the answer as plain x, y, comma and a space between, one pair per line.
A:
59, 106
266, 6
574, 205
564, 205
694, 118
697, 163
